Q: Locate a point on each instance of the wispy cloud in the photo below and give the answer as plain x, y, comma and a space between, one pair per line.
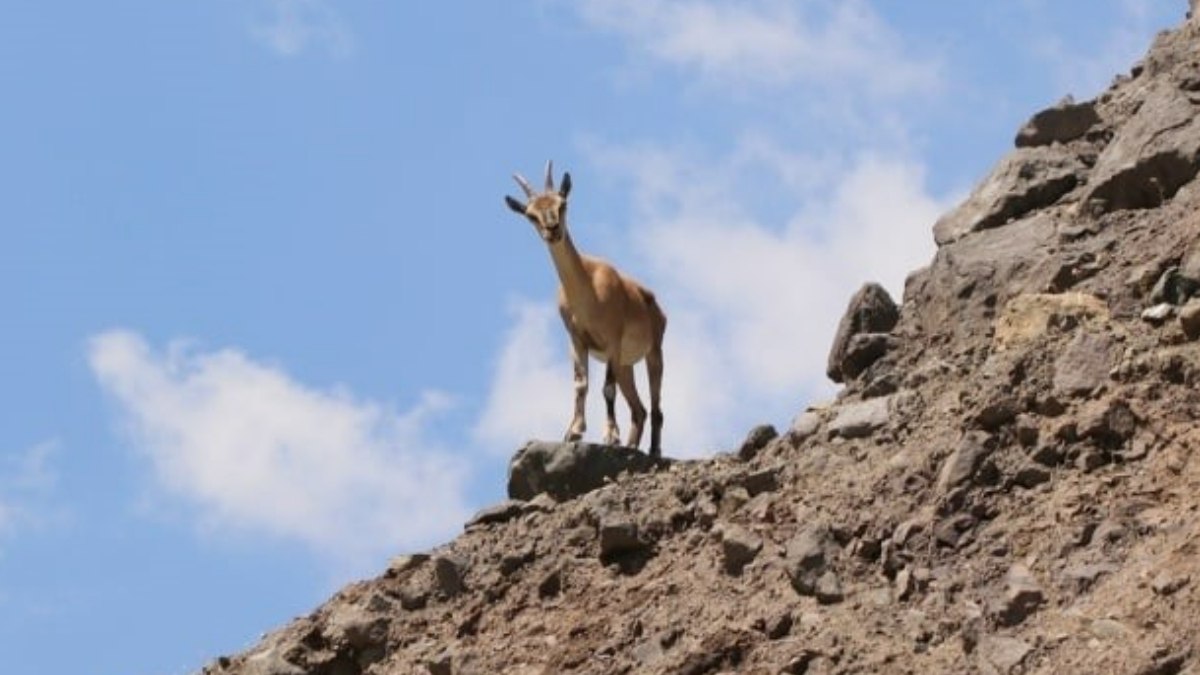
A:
836, 44
753, 299
28, 480
292, 27
256, 451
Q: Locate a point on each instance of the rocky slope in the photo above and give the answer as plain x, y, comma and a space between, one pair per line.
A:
1005, 484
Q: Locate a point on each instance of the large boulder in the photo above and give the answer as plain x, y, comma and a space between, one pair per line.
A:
567, 470
1152, 156
871, 310
1024, 181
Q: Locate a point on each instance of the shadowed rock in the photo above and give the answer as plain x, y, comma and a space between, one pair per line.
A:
871, 310
567, 470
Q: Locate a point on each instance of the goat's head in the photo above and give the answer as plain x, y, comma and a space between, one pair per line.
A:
547, 210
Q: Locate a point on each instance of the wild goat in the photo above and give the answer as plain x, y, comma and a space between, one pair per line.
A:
607, 315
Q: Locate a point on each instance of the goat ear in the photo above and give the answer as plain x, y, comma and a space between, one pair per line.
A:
565, 189
514, 204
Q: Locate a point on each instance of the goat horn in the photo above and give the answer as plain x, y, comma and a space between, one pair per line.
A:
549, 175
524, 185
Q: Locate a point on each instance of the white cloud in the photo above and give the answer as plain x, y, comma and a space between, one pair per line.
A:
842, 44
27, 483
258, 452
295, 26
753, 300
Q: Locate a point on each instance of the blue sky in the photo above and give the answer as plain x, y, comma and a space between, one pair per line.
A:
269, 322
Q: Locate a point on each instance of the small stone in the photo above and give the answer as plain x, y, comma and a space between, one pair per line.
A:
998, 412
1167, 583
1046, 455
1031, 476
960, 467
828, 590
619, 535
860, 420
1023, 595
403, 564
805, 424
779, 626
756, 440
442, 664
449, 571
739, 547
1004, 654
1159, 313
550, 585
1084, 364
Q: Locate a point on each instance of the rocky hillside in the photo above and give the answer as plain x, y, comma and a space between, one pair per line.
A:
1006, 483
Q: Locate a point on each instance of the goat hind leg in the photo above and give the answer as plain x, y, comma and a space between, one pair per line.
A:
637, 411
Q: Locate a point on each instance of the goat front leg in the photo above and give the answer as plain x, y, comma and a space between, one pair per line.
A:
612, 433
579, 359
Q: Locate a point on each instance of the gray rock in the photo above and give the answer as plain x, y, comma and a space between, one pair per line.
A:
1159, 313
1168, 583
871, 310
828, 589
739, 547
806, 424
806, 562
859, 420
449, 572
1084, 365
1109, 423
1002, 654
567, 470
1025, 180
619, 534
863, 350
1061, 124
758, 482
1152, 155
962, 464
756, 440
1031, 476
1023, 595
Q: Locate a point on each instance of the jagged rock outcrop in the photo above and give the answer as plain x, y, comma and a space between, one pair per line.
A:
1010, 488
